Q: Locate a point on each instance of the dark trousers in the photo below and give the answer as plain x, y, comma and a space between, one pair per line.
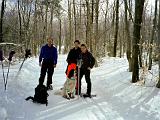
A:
86, 73
49, 68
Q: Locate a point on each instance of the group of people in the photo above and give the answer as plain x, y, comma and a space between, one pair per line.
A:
80, 62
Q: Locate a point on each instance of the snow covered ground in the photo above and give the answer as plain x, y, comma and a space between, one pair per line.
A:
117, 98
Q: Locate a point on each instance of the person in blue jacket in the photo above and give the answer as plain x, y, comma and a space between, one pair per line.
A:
48, 61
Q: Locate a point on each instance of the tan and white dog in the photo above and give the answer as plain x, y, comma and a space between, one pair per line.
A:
68, 90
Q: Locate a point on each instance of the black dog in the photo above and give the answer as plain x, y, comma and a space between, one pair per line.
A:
40, 95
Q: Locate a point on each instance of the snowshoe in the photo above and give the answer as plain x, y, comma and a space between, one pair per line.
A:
85, 95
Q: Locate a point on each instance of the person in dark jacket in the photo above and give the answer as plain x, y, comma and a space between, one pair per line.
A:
74, 56
88, 62
47, 61
74, 53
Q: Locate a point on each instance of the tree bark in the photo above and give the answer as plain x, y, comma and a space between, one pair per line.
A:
60, 34
1, 20
88, 28
158, 53
139, 4
45, 29
35, 38
51, 20
152, 36
96, 27
127, 31
70, 23
75, 20
20, 22
116, 29
105, 28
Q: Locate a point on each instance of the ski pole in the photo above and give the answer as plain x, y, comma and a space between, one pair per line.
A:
21, 65
78, 80
79, 66
27, 54
10, 59
3, 72
7, 75
1, 59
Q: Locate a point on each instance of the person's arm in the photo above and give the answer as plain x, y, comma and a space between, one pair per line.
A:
41, 55
79, 54
92, 60
69, 56
55, 57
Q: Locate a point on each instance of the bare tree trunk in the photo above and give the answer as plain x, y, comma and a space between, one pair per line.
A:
26, 15
124, 43
70, 22
120, 42
20, 23
27, 27
35, 38
158, 84
42, 24
95, 39
127, 31
60, 34
116, 29
88, 24
110, 47
68, 29
1, 20
96, 28
45, 24
152, 35
66, 42
51, 20
92, 40
140, 55
105, 28
139, 4
80, 21
75, 20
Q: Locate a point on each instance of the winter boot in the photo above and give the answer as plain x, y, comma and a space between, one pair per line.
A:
86, 95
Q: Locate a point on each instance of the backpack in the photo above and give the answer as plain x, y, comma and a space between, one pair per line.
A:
40, 95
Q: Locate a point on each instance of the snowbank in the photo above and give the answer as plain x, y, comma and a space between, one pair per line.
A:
117, 98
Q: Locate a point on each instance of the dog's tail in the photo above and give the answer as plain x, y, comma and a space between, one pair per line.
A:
30, 97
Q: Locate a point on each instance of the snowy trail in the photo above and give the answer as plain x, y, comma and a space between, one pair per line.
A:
117, 98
